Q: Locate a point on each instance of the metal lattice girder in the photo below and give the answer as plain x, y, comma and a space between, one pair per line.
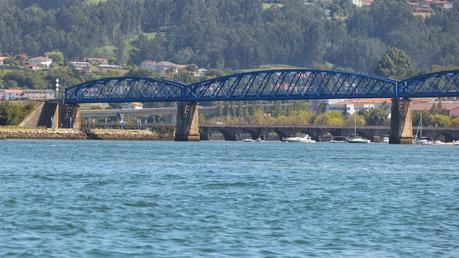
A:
439, 84
285, 84
125, 89
292, 84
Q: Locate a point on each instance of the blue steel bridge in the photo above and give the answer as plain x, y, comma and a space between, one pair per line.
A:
282, 84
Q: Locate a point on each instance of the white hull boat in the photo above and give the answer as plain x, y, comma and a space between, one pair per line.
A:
420, 140
301, 139
358, 139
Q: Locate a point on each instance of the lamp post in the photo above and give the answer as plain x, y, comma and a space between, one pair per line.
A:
57, 87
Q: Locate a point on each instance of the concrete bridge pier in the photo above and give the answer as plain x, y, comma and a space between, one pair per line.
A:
70, 116
187, 128
401, 127
55, 115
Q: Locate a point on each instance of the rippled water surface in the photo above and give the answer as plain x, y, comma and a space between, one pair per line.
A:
218, 199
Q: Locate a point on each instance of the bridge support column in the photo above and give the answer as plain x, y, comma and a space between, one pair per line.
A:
70, 116
187, 122
56, 117
401, 127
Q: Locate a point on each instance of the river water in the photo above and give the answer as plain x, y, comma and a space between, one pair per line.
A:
221, 199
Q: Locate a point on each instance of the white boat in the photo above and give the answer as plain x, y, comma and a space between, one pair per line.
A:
420, 140
252, 140
301, 139
337, 141
356, 138
385, 140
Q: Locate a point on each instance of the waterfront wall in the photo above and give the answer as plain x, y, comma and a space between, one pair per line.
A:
94, 134
61, 134
108, 134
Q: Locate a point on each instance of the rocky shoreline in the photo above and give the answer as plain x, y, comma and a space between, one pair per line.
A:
74, 134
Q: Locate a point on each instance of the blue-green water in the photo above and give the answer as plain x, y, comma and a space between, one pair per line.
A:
217, 199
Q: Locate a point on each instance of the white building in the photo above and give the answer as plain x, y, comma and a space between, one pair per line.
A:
131, 106
108, 66
20, 94
343, 108
41, 61
38, 94
81, 66
97, 60
356, 105
162, 67
361, 3
11, 94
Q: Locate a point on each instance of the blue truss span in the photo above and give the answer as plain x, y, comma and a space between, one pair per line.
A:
292, 84
125, 89
283, 84
438, 84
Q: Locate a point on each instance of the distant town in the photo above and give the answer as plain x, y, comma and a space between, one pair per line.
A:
420, 7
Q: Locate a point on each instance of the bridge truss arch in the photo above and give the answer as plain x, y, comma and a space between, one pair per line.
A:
282, 84
437, 84
125, 89
288, 84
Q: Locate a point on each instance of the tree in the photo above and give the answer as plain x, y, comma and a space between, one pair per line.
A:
13, 114
57, 57
394, 64
329, 118
375, 116
355, 119
439, 120
455, 122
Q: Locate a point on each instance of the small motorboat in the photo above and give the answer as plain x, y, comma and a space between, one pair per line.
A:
422, 141
358, 139
385, 140
337, 141
300, 139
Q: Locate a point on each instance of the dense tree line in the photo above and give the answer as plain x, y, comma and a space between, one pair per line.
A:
13, 113
231, 33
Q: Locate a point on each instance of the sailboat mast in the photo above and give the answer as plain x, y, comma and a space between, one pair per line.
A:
420, 127
355, 123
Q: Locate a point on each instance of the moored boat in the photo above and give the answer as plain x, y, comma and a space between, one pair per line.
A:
300, 139
385, 140
420, 140
337, 141
358, 139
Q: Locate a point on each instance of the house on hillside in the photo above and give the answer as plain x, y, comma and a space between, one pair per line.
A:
162, 67
42, 62
97, 60
109, 67
2, 60
81, 66
361, 3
